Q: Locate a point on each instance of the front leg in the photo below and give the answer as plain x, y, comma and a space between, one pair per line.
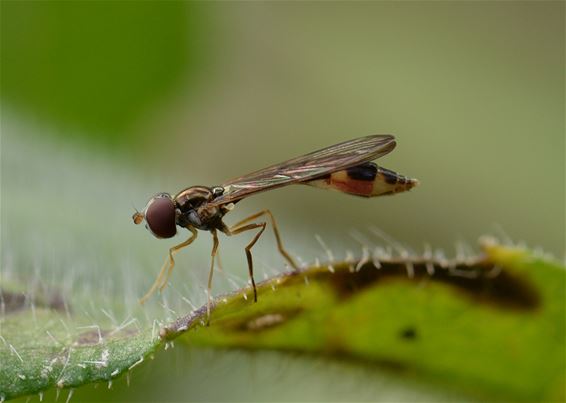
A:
167, 267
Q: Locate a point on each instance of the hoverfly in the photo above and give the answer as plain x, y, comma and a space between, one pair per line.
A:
345, 167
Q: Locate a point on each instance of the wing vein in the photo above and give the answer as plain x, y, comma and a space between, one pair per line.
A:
307, 167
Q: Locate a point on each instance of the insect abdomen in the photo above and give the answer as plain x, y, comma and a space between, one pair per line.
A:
366, 180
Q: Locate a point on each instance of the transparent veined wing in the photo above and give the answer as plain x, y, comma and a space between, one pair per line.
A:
307, 167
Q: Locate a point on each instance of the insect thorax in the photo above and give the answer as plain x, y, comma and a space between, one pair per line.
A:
193, 208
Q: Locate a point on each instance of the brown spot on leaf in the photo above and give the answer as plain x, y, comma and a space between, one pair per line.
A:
14, 302
481, 281
263, 321
90, 338
95, 336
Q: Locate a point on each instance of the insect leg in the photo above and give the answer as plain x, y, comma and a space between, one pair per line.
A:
174, 250
280, 247
212, 254
168, 266
219, 261
238, 229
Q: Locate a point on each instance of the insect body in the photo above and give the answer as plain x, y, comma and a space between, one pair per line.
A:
344, 167
367, 180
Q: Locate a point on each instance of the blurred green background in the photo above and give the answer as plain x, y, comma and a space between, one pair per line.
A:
170, 94
200, 92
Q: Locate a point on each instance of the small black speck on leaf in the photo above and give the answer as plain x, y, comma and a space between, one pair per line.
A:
408, 333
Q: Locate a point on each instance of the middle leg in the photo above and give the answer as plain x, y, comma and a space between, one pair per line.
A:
209, 289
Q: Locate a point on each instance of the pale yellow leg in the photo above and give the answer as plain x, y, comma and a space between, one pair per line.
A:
219, 262
167, 267
209, 293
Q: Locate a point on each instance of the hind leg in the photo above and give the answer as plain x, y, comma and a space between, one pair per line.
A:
239, 229
280, 247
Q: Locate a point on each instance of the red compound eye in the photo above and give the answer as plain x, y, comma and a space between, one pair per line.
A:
160, 216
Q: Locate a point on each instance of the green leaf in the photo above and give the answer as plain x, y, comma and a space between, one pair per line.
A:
492, 328
47, 346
